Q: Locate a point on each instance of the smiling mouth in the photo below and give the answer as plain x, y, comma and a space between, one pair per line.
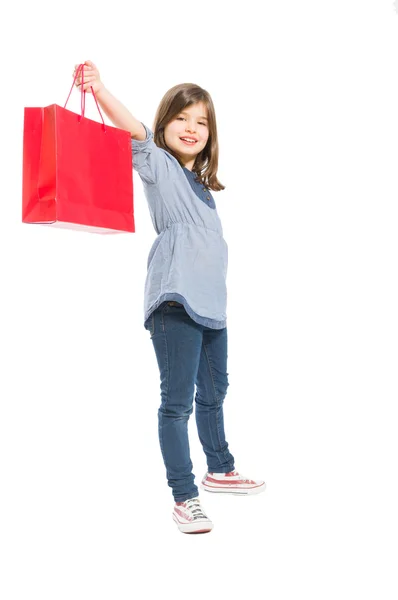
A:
190, 143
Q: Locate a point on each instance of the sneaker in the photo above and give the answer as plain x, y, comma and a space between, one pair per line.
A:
231, 483
190, 517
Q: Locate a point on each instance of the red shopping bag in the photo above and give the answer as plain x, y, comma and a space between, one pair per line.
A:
77, 173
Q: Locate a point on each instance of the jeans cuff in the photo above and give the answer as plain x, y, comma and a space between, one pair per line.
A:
187, 497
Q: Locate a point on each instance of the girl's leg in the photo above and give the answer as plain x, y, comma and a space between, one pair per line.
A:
177, 340
211, 389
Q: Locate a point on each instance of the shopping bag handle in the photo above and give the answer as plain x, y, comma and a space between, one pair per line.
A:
83, 96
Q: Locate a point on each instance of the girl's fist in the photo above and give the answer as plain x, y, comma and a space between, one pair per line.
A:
91, 77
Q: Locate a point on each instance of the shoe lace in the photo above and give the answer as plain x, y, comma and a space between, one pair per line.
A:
193, 504
242, 477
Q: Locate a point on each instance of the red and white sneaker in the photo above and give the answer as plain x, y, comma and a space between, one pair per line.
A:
231, 483
190, 517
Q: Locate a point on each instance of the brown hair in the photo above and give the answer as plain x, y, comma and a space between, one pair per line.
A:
173, 102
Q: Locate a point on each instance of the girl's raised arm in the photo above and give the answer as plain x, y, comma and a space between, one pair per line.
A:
112, 107
119, 115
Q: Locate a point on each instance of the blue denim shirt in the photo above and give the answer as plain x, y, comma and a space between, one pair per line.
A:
188, 260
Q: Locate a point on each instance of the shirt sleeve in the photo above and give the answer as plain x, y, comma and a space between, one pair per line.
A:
150, 162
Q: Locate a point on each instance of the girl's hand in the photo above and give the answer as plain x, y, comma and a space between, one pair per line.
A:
91, 78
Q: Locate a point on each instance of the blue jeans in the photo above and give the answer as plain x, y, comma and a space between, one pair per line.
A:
189, 354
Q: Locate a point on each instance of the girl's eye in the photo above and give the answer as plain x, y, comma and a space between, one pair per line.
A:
183, 119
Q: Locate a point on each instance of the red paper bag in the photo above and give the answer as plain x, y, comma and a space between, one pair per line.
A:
77, 173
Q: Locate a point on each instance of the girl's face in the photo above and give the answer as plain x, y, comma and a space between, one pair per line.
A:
191, 124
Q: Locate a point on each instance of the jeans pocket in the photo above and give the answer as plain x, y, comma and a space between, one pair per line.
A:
150, 324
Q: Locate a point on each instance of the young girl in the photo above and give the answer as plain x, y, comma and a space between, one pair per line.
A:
185, 289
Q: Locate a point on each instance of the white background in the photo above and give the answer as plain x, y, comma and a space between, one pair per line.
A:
306, 97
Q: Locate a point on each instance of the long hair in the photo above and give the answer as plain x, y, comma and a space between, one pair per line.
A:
175, 100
